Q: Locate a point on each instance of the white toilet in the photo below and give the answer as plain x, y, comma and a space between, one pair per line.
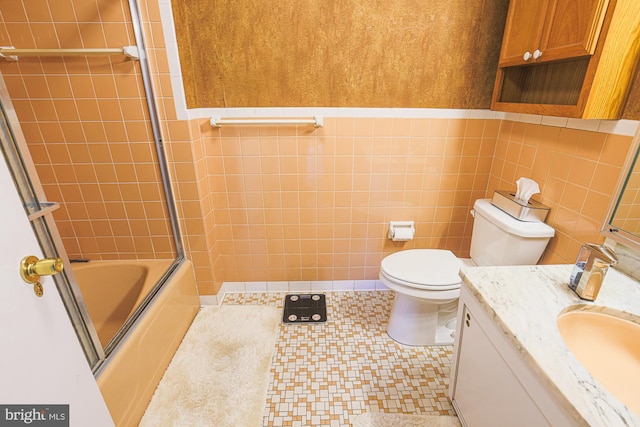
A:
426, 281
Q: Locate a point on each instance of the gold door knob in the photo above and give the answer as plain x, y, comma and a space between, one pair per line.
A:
31, 268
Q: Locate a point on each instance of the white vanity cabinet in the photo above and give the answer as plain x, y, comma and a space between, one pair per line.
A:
491, 385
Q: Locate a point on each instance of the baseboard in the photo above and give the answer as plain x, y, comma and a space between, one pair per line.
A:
292, 286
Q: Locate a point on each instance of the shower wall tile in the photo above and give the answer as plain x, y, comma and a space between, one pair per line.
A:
86, 122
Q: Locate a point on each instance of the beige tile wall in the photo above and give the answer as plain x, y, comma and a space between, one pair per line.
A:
577, 172
304, 204
628, 210
87, 127
270, 203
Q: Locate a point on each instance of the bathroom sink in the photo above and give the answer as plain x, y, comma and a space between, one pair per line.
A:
607, 344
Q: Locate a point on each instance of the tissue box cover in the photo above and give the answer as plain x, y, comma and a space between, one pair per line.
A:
530, 211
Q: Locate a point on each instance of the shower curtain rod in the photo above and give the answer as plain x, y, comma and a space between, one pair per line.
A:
10, 53
217, 122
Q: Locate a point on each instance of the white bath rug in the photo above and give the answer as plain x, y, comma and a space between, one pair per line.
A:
381, 419
220, 373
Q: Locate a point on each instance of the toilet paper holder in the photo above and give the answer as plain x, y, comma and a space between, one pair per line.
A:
401, 231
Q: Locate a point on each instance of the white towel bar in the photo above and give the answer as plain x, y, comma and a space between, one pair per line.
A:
10, 53
218, 122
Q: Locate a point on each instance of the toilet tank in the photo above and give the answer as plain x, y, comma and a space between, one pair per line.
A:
500, 239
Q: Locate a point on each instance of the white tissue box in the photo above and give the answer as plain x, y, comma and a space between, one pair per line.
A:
530, 211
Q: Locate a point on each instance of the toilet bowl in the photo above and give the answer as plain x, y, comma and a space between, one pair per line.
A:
426, 282
427, 287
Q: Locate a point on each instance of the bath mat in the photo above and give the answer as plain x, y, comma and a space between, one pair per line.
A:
220, 373
305, 308
381, 419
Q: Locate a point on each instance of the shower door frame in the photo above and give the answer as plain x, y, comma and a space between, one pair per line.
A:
40, 214
154, 120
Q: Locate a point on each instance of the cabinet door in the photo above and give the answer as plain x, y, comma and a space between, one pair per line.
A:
523, 30
572, 28
486, 392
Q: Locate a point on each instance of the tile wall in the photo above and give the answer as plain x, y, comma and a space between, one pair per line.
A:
270, 203
577, 171
316, 206
628, 210
304, 204
87, 127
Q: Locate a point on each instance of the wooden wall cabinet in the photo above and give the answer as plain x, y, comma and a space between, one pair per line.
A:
550, 30
571, 58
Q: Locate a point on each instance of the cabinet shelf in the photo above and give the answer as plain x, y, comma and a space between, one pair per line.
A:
557, 83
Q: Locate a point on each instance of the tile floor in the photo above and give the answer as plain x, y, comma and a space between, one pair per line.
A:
327, 373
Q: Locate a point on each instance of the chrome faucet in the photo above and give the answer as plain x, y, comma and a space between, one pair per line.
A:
591, 266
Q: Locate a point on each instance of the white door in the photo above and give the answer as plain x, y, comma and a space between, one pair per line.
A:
41, 361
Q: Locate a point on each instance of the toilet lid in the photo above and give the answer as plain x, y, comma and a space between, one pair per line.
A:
424, 267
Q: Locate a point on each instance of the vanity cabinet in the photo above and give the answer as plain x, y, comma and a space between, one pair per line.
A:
570, 58
549, 30
491, 384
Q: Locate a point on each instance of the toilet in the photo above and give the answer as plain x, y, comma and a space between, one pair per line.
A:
426, 281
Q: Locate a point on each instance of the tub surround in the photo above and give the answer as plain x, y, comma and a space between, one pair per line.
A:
525, 302
130, 378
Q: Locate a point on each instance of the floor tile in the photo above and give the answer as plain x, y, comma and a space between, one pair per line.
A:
327, 373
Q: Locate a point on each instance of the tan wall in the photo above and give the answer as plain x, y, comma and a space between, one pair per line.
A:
325, 53
577, 172
632, 107
270, 204
315, 205
627, 214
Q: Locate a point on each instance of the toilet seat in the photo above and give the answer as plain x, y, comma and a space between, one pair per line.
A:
425, 269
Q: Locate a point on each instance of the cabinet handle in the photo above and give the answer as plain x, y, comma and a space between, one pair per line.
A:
537, 54
527, 56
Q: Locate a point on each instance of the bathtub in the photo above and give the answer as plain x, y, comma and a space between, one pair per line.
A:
133, 370
112, 290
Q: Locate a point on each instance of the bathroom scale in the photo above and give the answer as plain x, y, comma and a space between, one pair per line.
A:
305, 308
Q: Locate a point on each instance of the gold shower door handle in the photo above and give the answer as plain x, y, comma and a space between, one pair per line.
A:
31, 268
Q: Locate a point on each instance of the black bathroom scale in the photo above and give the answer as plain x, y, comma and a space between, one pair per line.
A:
305, 308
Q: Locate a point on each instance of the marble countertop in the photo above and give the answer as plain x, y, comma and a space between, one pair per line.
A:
525, 302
